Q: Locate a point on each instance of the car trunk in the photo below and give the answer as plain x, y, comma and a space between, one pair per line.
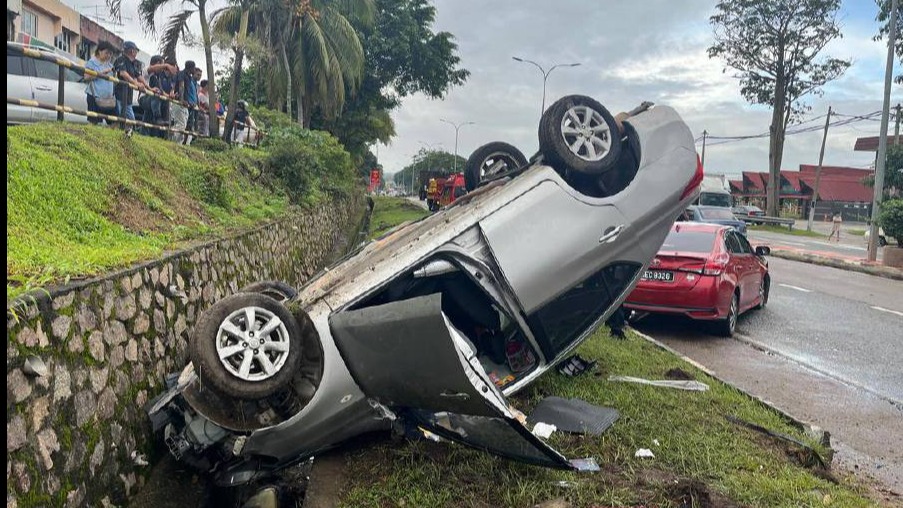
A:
674, 272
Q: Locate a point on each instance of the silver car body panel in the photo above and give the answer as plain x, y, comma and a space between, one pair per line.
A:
523, 241
337, 411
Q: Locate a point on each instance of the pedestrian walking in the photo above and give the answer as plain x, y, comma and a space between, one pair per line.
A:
101, 93
836, 222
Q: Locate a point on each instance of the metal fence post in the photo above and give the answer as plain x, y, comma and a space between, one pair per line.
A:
60, 93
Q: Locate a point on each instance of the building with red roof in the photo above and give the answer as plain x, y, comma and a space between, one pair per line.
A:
841, 189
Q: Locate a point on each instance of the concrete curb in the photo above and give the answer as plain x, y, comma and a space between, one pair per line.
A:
854, 266
800, 424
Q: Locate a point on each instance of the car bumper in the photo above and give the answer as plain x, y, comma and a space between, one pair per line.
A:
699, 302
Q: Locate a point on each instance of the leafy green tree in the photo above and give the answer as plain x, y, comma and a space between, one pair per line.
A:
774, 47
891, 219
433, 161
311, 52
893, 172
176, 30
403, 56
884, 19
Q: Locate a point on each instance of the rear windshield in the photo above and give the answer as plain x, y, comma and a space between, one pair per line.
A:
714, 199
716, 213
689, 241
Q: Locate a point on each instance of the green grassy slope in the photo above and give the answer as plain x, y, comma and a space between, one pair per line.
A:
84, 199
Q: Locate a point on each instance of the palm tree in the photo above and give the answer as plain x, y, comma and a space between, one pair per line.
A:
313, 52
176, 30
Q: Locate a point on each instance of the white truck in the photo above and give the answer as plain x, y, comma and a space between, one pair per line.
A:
715, 191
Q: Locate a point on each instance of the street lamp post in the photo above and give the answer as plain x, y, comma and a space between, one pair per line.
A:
457, 127
545, 76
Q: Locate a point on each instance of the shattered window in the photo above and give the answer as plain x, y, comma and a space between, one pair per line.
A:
564, 319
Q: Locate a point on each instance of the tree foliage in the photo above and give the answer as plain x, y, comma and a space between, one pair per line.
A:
403, 56
774, 47
891, 219
884, 19
437, 161
893, 172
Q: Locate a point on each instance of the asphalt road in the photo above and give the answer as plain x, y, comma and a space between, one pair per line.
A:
827, 349
849, 247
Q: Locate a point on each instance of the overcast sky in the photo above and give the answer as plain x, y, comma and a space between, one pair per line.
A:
629, 52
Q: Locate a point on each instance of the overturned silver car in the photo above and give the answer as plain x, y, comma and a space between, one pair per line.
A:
435, 324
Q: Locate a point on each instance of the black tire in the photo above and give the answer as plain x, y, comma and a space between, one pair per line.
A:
882, 242
554, 144
489, 160
214, 374
726, 326
764, 289
277, 290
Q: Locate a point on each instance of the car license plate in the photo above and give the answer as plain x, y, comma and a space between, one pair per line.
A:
659, 276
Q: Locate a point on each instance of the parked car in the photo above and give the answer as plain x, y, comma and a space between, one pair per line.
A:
38, 80
749, 211
715, 215
706, 272
882, 238
435, 324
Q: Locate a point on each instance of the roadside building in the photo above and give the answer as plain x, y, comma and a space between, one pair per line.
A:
91, 35
48, 23
13, 7
841, 189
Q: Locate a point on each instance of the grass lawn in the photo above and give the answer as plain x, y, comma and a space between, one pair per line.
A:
856, 232
389, 212
783, 230
81, 200
702, 459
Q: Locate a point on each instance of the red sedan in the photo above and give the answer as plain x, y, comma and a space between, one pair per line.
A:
706, 272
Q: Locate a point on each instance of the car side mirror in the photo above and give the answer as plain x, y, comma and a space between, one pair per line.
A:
762, 250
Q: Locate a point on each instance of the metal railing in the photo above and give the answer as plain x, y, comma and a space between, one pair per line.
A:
61, 108
762, 219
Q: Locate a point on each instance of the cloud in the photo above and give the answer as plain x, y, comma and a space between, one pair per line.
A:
629, 52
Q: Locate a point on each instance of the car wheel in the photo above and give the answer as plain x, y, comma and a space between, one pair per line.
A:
727, 325
882, 242
277, 290
764, 289
577, 133
490, 160
246, 346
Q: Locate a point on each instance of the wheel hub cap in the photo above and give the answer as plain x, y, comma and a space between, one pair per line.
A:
252, 344
585, 132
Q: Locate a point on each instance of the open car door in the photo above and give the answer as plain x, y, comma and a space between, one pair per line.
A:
408, 356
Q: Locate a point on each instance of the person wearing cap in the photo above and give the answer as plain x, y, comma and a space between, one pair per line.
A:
128, 69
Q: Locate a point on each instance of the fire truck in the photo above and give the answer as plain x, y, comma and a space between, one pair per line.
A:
447, 190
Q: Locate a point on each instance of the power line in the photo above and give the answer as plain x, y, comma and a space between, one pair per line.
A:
846, 120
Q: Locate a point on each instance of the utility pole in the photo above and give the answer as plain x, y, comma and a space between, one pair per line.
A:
821, 158
705, 134
897, 127
882, 141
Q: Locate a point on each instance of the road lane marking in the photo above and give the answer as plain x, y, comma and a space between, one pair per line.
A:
882, 309
804, 290
798, 244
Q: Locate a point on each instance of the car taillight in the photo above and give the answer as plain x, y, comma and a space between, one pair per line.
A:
716, 265
695, 181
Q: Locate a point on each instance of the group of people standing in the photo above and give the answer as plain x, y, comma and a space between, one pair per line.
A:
190, 113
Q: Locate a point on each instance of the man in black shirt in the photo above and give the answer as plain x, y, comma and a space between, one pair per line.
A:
128, 69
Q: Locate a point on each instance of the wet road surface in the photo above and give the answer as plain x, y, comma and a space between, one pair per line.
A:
827, 349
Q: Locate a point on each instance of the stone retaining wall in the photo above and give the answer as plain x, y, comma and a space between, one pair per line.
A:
77, 434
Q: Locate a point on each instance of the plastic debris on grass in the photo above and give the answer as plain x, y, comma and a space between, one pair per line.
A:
544, 430
644, 453
694, 386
